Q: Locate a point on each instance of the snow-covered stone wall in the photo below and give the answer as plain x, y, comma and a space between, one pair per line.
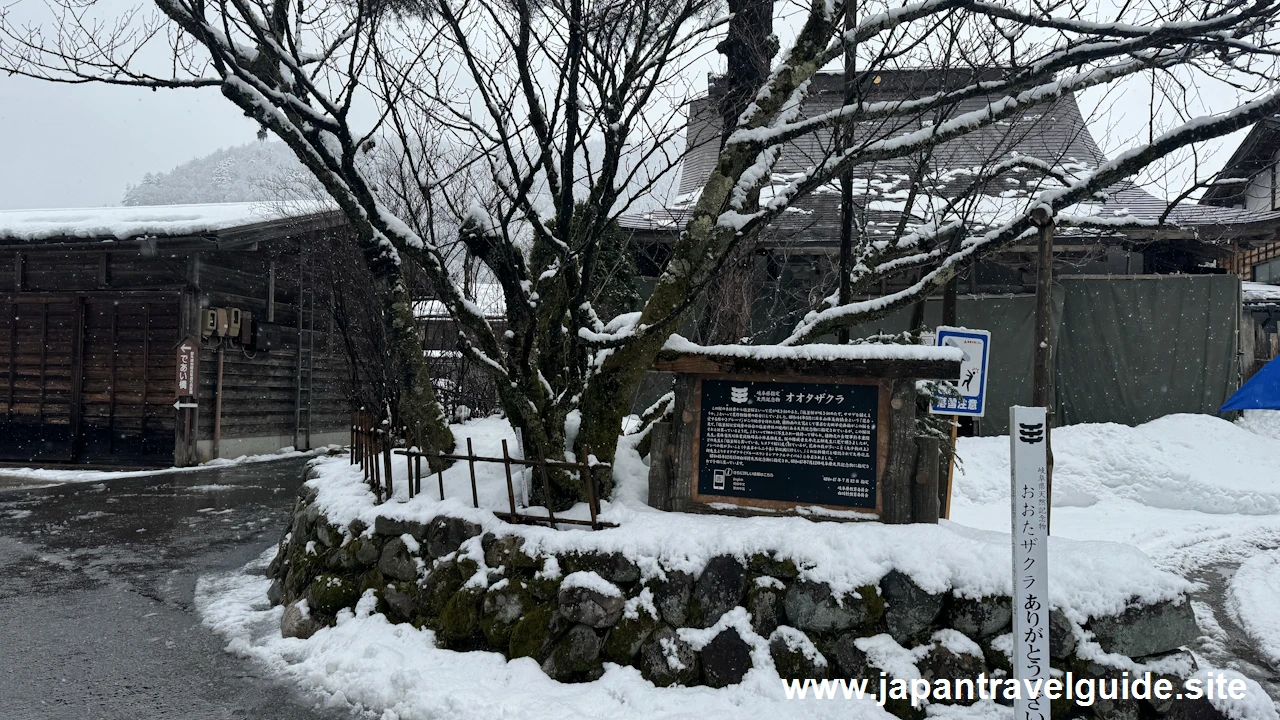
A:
574, 606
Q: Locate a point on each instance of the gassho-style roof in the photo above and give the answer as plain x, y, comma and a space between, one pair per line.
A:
1253, 156
219, 222
1054, 133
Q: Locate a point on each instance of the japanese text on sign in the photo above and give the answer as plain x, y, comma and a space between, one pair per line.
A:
789, 441
187, 360
1030, 508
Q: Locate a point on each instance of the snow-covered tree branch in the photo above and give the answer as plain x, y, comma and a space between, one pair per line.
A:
565, 114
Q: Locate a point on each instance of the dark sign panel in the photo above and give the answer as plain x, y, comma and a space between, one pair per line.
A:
188, 361
801, 442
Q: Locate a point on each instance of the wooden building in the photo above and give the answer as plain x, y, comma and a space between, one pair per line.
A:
100, 307
1127, 232
1147, 312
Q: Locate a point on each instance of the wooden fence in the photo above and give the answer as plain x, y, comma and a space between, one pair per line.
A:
371, 447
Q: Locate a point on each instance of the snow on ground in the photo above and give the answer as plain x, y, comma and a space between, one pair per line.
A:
50, 476
1096, 578
1191, 491
1188, 491
1255, 602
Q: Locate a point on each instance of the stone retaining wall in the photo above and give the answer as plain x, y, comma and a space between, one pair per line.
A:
574, 612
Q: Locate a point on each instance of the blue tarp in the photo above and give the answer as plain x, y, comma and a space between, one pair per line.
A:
1261, 392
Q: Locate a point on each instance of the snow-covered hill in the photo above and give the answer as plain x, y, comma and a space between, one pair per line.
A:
247, 173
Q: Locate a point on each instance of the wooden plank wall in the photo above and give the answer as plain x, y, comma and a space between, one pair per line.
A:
260, 388
127, 395
87, 341
37, 343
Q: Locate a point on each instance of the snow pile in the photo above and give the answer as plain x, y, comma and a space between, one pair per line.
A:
588, 580
1090, 579
1255, 602
1260, 292
1261, 422
815, 352
50, 476
122, 223
1190, 490
394, 671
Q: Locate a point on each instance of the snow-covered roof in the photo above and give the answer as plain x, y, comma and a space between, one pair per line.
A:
123, 223
1261, 293
487, 296
864, 360
1051, 135
1254, 155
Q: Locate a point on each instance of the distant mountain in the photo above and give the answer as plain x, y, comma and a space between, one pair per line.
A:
256, 172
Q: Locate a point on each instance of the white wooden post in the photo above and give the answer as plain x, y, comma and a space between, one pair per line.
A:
1028, 435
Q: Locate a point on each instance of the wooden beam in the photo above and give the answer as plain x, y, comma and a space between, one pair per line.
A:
77, 376
924, 493
1042, 372
898, 472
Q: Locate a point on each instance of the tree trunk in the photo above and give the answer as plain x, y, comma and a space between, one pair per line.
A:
420, 414
748, 47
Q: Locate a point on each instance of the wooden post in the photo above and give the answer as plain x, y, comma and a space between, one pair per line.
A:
1042, 375
77, 379
924, 499
897, 479
588, 479
471, 465
511, 492
546, 488
659, 465
945, 480
217, 407
683, 473
386, 464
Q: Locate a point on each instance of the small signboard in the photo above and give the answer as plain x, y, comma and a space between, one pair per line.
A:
968, 394
1030, 508
796, 443
188, 362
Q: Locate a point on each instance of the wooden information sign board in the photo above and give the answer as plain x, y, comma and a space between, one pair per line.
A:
777, 445
778, 433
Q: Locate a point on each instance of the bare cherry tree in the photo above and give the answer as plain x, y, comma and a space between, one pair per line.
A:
569, 106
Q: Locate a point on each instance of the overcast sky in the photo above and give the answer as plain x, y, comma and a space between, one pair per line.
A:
82, 145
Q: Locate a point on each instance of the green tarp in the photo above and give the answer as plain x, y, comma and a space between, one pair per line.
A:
1129, 349
1135, 348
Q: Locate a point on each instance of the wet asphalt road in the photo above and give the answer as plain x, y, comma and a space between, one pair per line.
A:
96, 596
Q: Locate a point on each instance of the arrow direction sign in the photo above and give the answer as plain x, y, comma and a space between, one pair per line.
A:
188, 363
179, 404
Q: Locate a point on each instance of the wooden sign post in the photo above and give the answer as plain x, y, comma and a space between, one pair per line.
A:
188, 364
186, 389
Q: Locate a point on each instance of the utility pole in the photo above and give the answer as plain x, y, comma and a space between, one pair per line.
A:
1042, 372
846, 179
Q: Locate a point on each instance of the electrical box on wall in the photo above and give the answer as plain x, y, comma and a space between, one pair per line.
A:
208, 322
246, 329
267, 336
233, 322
